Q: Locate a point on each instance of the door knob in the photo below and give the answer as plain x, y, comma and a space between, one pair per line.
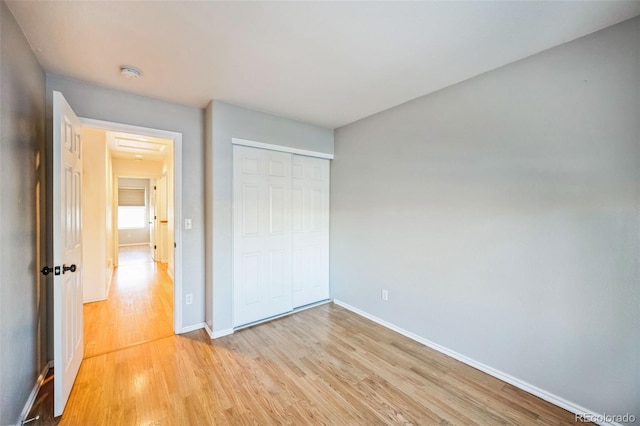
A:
56, 270
66, 268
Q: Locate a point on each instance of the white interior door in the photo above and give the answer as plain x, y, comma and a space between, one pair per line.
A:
153, 219
162, 230
262, 234
310, 226
68, 346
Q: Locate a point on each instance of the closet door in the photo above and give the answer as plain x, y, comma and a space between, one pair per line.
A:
262, 234
310, 225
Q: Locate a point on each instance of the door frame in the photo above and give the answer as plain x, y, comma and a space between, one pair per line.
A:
177, 196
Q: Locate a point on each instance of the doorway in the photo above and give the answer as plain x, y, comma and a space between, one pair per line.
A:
137, 300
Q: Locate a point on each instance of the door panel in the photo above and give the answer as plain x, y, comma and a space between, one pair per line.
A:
278, 274
277, 214
262, 234
297, 209
152, 218
250, 216
310, 186
68, 342
251, 272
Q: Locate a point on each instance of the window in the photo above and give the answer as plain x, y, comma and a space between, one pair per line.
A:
132, 210
131, 217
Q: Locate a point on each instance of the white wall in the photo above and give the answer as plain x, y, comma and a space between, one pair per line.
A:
92, 101
222, 123
140, 169
502, 216
23, 337
110, 216
97, 259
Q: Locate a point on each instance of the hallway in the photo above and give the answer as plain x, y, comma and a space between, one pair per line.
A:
139, 308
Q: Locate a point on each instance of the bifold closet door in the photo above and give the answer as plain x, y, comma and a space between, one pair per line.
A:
261, 234
310, 220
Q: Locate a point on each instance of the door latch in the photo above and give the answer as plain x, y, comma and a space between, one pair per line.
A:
56, 269
47, 270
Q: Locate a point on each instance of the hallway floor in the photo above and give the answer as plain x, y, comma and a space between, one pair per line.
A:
139, 308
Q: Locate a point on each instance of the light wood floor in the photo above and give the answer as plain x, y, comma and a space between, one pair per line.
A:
325, 365
139, 308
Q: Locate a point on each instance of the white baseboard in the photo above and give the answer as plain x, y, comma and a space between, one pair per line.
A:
97, 299
133, 244
527, 387
109, 281
221, 333
208, 330
193, 327
34, 392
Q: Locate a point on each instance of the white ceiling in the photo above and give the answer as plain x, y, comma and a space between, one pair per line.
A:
325, 63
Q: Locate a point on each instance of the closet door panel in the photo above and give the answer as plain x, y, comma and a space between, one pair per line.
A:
310, 186
261, 235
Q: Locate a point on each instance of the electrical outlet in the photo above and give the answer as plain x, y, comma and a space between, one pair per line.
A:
385, 295
187, 224
189, 299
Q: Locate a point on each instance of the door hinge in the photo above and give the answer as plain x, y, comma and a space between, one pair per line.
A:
154, 247
174, 245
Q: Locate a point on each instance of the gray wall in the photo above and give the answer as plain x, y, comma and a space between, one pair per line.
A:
135, 236
23, 340
224, 122
502, 216
91, 101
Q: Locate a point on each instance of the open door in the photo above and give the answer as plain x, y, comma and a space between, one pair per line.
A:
153, 220
68, 344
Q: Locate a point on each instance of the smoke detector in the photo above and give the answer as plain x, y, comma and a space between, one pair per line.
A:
129, 72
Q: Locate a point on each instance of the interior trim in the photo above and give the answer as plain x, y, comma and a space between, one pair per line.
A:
281, 148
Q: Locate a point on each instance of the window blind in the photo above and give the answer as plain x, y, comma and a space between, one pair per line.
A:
131, 197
